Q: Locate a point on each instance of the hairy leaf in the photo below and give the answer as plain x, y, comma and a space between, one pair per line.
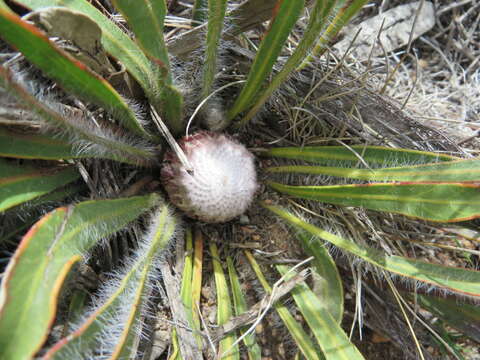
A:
445, 202
355, 154
35, 274
88, 139
36, 146
115, 321
451, 278
71, 74
318, 19
114, 40
342, 15
452, 171
19, 184
146, 20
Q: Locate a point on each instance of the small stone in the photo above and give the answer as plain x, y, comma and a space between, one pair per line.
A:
244, 220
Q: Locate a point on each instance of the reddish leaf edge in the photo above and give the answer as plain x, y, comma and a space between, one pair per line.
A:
58, 283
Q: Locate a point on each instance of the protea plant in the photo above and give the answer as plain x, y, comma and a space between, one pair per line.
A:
102, 182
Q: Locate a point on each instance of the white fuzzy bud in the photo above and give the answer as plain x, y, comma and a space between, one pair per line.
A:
222, 183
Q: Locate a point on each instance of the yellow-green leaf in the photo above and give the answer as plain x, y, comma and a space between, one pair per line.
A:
451, 278
445, 202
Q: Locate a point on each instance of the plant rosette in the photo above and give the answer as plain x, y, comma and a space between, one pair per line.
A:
221, 183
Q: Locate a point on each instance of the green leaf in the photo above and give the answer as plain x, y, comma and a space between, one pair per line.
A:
187, 291
318, 19
170, 103
76, 308
52, 197
114, 40
303, 341
330, 336
146, 19
216, 15
4, 6
240, 305
445, 202
167, 100
88, 139
455, 279
36, 146
197, 276
224, 307
71, 74
186, 287
462, 316
452, 171
19, 184
116, 320
371, 155
35, 274
345, 10
329, 282
30, 211
175, 354
284, 18
199, 12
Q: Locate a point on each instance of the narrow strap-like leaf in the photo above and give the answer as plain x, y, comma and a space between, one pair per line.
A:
199, 12
330, 336
451, 278
33, 279
303, 341
318, 19
240, 304
452, 171
19, 184
118, 315
216, 14
197, 276
446, 202
37, 146
29, 211
371, 155
224, 307
462, 316
105, 143
346, 10
284, 18
188, 290
146, 20
71, 74
159, 236
114, 40
167, 100
328, 278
